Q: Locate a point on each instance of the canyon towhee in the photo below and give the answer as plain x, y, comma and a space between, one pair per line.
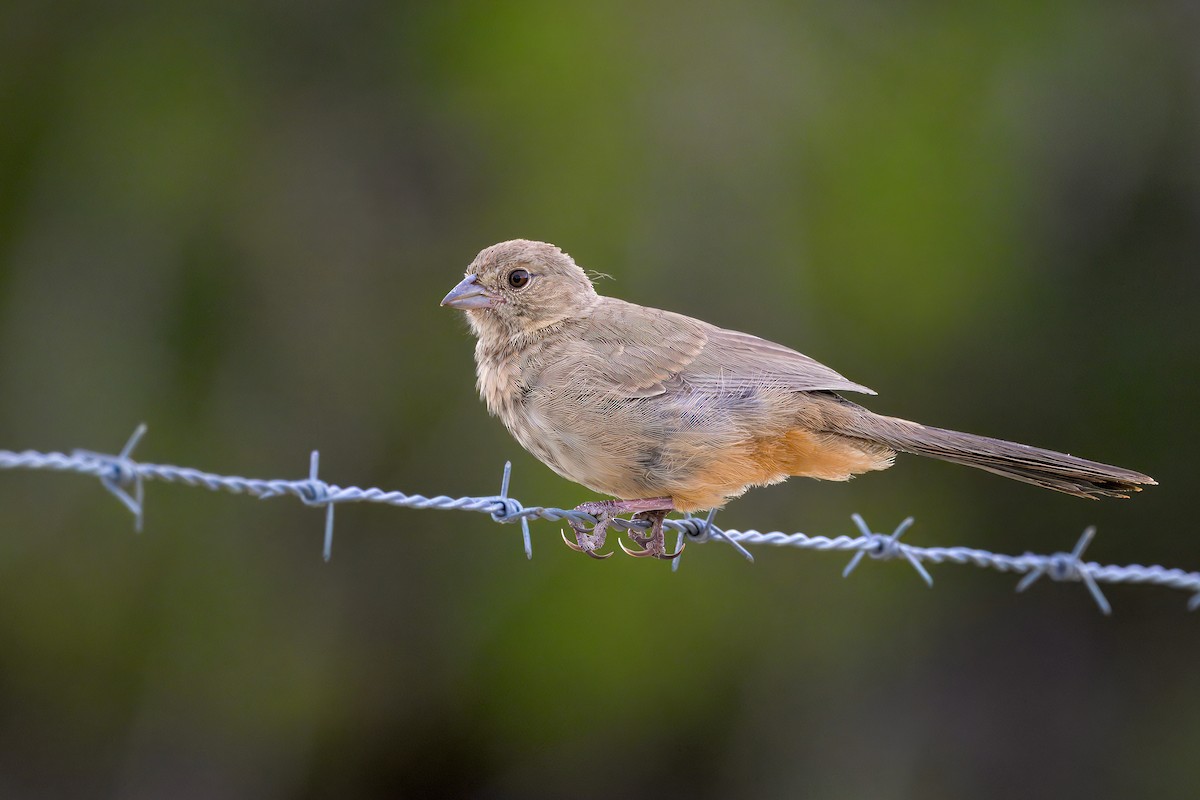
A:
668, 413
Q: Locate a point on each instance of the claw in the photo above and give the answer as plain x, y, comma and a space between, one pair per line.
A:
650, 552
580, 548
635, 553
670, 556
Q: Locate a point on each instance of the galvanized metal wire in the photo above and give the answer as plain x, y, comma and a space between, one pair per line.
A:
125, 478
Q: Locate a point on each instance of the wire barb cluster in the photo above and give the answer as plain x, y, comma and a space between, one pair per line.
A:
120, 474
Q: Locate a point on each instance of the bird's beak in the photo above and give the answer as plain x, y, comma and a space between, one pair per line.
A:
469, 294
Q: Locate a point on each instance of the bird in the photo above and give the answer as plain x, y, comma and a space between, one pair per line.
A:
663, 412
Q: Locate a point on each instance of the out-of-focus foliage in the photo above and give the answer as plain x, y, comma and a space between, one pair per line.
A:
235, 221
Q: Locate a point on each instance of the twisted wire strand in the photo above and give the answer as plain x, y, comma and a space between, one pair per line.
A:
119, 473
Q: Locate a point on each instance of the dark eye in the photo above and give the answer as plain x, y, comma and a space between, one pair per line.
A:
518, 279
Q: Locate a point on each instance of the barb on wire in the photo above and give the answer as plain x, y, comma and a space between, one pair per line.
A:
117, 473
1069, 566
512, 508
317, 494
883, 547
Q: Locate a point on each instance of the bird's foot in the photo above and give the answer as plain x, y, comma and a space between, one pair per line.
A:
653, 542
590, 541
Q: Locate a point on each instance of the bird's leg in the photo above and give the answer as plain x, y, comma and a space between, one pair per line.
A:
591, 541
653, 541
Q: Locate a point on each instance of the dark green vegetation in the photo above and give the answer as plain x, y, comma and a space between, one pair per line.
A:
236, 223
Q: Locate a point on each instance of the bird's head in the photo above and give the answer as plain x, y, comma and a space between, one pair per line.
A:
515, 289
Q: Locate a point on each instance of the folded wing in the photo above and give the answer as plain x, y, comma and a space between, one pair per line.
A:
643, 350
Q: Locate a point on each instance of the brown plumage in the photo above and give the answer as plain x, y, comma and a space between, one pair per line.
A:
638, 403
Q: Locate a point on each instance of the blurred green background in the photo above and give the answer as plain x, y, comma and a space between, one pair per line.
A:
235, 222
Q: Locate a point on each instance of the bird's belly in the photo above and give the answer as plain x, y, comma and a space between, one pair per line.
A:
647, 448
631, 449
583, 452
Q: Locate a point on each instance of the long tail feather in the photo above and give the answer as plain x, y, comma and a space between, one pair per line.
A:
1046, 468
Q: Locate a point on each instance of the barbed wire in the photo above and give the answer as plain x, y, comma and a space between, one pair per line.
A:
120, 473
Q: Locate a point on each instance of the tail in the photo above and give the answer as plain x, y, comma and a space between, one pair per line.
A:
1045, 468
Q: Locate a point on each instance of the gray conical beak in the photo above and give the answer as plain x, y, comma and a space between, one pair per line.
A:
469, 294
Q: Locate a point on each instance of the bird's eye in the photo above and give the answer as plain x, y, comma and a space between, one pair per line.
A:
518, 279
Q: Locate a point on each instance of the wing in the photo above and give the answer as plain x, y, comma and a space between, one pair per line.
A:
641, 349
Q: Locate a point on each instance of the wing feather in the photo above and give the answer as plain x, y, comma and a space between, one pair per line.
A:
641, 349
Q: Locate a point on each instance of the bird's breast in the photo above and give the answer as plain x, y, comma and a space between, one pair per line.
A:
499, 380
